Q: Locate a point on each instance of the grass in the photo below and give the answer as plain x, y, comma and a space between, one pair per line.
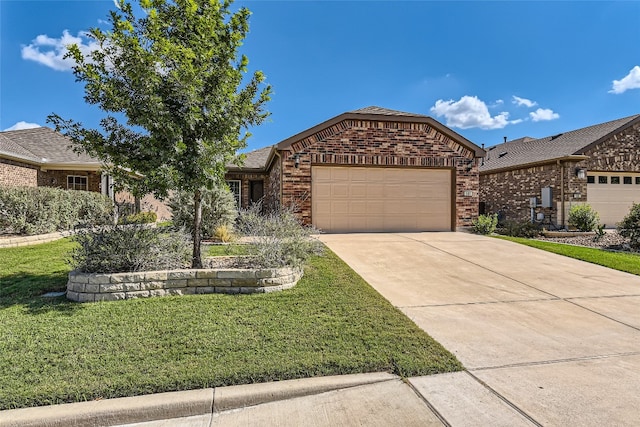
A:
623, 261
332, 322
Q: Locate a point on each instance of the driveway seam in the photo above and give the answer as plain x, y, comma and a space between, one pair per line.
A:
480, 303
442, 419
551, 362
555, 297
484, 267
505, 400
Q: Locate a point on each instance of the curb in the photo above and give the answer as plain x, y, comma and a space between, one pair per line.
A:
180, 404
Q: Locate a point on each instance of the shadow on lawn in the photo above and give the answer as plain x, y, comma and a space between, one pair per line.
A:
26, 289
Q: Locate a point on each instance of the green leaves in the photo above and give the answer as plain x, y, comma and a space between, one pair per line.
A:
171, 85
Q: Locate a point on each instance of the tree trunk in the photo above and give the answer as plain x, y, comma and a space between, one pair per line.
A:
196, 261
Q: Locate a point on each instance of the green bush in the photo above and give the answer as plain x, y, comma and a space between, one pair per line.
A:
485, 224
39, 210
629, 227
130, 248
218, 209
583, 218
140, 218
519, 229
277, 239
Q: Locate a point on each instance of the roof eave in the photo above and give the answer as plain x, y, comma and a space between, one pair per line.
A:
18, 158
478, 152
76, 166
572, 157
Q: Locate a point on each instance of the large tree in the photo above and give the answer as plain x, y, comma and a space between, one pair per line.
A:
177, 96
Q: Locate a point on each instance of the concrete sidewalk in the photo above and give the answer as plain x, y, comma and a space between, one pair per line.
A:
555, 338
377, 399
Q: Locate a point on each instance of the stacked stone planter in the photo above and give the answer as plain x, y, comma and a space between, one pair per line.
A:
88, 287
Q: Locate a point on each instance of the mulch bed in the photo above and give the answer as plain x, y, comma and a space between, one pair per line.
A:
610, 241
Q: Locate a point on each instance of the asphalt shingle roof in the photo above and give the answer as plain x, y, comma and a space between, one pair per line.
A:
256, 159
42, 145
384, 112
527, 150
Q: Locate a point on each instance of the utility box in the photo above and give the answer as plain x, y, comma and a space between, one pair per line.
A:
533, 202
547, 197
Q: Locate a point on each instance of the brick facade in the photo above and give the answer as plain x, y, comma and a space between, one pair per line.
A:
17, 174
382, 144
620, 153
58, 178
510, 191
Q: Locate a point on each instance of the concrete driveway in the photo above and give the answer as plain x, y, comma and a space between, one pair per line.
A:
555, 339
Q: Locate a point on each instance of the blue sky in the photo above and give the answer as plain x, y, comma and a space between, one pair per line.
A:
486, 69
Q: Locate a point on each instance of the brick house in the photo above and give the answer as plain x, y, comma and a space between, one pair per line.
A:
598, 165
41, 157
371, 169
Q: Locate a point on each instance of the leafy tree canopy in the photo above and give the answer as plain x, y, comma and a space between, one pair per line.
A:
176, 94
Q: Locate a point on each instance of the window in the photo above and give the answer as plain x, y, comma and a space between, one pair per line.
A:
76, 182
637, 179
591, 179
602, 180
627, 180
235, 187
615, 180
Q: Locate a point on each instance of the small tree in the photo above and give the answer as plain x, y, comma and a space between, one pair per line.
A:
583, 217
171, 83
629, 227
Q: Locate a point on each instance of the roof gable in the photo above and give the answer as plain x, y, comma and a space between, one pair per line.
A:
339, 123
524, 151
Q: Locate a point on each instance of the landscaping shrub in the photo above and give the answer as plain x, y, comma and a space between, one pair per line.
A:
519, 229
629, 227
130, 248
223, 234
583, 218
277, 238
140, 218
485, 224
38, 210
218, 209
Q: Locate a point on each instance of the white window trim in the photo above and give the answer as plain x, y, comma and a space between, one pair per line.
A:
239, 198
86, 180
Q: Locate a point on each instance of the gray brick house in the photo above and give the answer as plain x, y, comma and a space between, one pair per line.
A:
371, 169
598, 165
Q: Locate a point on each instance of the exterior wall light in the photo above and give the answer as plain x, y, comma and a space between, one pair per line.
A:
581, 173
297, 161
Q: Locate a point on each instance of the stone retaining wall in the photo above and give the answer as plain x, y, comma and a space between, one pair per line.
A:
87, 287
12, 242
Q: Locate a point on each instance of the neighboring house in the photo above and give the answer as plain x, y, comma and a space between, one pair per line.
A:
598, 165
41, 157
371, 169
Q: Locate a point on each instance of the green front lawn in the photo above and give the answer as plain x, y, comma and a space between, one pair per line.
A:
623, 261
332, 322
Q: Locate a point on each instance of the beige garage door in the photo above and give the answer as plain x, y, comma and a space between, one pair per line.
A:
352, 199
612, 194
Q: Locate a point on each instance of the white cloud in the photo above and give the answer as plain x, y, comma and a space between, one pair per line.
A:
524, 101
51, 51
543, 114
22, 125
470, 112
116, 3
630, 81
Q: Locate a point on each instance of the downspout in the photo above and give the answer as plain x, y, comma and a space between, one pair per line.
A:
280, 183
562, 209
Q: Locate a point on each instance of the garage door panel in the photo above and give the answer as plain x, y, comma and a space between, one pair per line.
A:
613, 201
381, 199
